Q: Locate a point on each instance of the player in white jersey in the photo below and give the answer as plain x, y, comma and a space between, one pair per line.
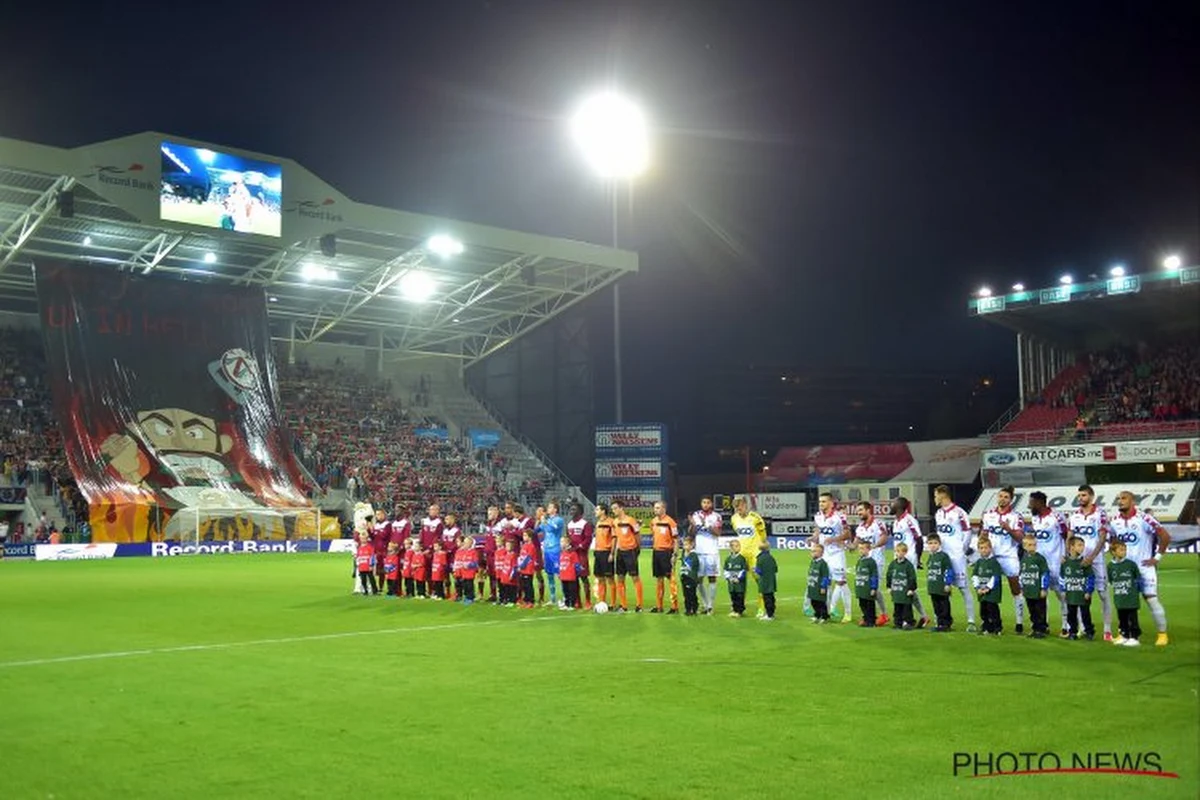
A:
954, 528
1004, 527
1050, 530
705, 526
871, 531
1145, 541
834, 534
907, 531
1090, 523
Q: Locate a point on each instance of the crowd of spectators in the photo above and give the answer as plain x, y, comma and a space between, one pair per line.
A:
31, 452
1141, 384
352, 432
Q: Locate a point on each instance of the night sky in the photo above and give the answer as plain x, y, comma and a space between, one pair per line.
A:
830, 182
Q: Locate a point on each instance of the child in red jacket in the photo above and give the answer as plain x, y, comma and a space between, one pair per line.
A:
527, 564
468, 562
506, 573
437, 572
364, 559
410, 587
568, 573
391, 569
420, 569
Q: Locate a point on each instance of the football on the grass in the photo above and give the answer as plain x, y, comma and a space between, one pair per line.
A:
601, 607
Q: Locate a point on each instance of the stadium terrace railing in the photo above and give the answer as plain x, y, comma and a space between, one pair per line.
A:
1008, 416
1119, 432
557, 474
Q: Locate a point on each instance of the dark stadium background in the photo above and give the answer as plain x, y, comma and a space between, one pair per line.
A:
830, 183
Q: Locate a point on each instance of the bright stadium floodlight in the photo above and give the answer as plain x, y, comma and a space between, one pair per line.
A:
1118, 271
210, 257
316, 272
87, 241
612, 133
1173, 262
444, 246
417, 286
985, 292
1018, 287
1066, 280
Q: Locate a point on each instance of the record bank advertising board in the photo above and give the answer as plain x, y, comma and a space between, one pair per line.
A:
631, 463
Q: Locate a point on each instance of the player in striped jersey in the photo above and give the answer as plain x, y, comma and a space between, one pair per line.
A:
1005, 527
1145, 541
1050, 531
907, 531
954, 529
835, 536
1090, 523
871, 531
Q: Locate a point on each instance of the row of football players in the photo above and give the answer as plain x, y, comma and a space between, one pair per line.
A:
1010, 540
427, 553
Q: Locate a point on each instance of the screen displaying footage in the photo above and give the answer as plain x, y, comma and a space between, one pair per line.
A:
219, 190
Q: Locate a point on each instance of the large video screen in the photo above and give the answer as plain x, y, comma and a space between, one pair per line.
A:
220, 190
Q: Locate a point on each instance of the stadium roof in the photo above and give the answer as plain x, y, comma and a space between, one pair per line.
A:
1102, 311
501, 285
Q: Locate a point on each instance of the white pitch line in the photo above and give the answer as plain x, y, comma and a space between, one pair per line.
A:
318, 637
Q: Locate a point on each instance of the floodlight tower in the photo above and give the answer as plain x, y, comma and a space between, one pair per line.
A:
614, 138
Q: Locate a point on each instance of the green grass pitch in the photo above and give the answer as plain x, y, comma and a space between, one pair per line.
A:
262, 676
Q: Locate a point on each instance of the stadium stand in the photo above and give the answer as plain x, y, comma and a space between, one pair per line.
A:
1118, 393
353, 433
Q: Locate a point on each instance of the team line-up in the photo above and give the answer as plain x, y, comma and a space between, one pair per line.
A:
1042, 554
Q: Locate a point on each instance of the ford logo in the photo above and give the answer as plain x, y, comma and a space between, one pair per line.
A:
1000, 459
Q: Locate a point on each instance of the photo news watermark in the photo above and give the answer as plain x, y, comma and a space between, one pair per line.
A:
1146, 764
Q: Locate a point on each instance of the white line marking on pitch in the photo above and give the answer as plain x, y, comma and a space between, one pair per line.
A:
317, 637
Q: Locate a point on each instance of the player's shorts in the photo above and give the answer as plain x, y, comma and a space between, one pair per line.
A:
880, 563
959, 563
710, 566
550, 563
661, 563
837, 567
1149, 580
1009, 565
1100, 573
627, 563
603, 564
581, 564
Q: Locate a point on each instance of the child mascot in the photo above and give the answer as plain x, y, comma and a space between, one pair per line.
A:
364, 518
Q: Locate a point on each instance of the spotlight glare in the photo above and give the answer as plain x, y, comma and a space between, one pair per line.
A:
417, 286
1118, 271
444, 246
1018, 287
1172, 262
1066, 280
613, 135
317, 272
985, 292
87, 241
210, 257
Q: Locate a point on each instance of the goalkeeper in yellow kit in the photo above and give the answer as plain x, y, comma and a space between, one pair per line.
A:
751, 531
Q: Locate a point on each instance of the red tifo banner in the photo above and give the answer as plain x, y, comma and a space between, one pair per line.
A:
166, 393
